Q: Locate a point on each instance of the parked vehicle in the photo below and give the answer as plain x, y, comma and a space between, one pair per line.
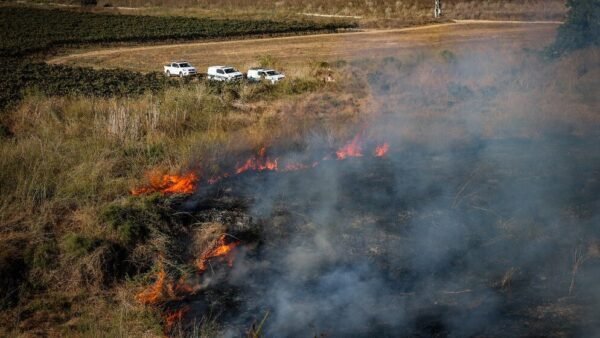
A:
180, 68
262, 74
224, 73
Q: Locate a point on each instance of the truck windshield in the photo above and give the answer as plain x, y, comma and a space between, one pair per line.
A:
272, 72
184, 65
230, 70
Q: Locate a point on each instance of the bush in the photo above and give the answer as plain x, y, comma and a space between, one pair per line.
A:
581, 27
131, 222
43, 256
75, 245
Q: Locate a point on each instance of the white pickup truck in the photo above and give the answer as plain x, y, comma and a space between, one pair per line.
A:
262, 74
224, 73
180, 68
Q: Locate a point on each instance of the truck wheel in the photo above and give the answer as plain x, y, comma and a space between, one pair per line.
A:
180, 74
168, 73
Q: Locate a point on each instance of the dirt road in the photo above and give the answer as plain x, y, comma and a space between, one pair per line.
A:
301, 50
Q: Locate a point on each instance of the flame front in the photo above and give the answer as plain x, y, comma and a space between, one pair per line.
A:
382, 149
220, 249
186, 184
351, 149
169, 184
172, 318
259, 162
155, 293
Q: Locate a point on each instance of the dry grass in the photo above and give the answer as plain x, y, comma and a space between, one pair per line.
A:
70, 157
371, 13
296, 55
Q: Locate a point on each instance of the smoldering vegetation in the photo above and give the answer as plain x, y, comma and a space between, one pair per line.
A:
480, 221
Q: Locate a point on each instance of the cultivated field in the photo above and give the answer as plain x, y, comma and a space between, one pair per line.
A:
294, 52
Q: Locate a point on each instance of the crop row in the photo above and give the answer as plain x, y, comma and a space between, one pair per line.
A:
57, 80
27, 30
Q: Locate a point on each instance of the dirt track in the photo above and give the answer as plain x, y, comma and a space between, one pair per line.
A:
298, 50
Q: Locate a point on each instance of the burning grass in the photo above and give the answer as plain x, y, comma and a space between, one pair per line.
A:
66, 163
168, 184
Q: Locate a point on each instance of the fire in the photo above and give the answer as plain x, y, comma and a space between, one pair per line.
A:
164, 290
155, 293
259, 162
169, 184
351, 149
174, 317
382, 149
221, 248
187, 183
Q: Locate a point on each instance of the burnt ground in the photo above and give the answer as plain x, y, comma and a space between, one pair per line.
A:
477, 240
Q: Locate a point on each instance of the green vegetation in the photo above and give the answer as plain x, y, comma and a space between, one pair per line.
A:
27, 30
78, 245
57, 80
581, 28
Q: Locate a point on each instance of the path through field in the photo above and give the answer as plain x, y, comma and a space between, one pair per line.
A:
294, 51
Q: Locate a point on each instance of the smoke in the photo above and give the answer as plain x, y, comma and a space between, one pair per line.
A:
473, 224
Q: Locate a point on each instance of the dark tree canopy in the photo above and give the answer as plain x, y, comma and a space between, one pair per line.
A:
581, 28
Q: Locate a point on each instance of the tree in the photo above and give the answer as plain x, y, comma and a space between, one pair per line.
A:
581, 29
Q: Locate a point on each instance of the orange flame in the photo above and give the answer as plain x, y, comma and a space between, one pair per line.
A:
169, 184
382, 149
174, 317
155, 293
164, 290
351, 149
221, 248
258, 162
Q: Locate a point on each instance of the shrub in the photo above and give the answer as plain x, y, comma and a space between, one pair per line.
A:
75, 245
132, 222
43, 256
580, 29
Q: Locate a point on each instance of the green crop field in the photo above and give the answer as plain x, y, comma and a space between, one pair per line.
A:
27, 30
32, 30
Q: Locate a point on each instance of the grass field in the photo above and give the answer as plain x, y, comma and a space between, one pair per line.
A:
293, 53
388, 13
75, 246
